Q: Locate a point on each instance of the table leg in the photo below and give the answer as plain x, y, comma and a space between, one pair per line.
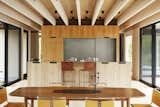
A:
32, 102
67, 103
122, 103
26, 101
128, 102
99, 103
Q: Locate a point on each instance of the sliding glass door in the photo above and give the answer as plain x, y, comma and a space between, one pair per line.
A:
150, 55
146, 54
157, 78
13, 54
10, 54
2, 56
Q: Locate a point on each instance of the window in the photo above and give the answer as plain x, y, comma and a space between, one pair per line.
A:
10, 54
14, 56
150, 55
2, 56
39, 44
146, 54
157, 79
128, 48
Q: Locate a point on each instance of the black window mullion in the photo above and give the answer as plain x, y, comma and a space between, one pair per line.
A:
153, 55
140, 50
6, 53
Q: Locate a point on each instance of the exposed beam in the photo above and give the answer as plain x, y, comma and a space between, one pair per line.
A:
118, 5
39, 7
4, 9
144, 14
153, 19
14, 22
78, 6
57, 4
23, 9
138, 6
97, 9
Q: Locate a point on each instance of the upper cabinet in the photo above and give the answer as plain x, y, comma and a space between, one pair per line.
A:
52, 49
53, 38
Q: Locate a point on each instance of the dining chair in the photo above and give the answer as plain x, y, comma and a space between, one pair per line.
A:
155, 100
107, 103
51, 103
3, 99
90, 103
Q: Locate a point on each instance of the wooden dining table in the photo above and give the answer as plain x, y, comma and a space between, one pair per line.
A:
77, 93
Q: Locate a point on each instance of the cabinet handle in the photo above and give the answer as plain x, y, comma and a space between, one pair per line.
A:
52, 37
52, 62
104, 62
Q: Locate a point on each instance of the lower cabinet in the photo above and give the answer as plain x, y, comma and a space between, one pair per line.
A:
114, 74
44, 74
50, 74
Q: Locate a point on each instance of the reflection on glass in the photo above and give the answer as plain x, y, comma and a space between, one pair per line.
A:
157, 55
146, 55
13, 54
2, 55
128, 48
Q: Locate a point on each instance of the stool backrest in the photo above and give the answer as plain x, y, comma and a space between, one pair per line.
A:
156, 97
3, 95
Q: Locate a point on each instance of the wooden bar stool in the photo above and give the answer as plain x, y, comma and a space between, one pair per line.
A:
3, 98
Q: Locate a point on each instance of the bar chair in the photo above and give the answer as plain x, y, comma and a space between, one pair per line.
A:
3, 99
155, 100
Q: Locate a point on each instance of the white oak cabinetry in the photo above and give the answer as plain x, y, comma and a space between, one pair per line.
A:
50, 74
114, 74
44, 74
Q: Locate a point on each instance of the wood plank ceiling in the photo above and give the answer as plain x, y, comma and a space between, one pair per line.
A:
73, 12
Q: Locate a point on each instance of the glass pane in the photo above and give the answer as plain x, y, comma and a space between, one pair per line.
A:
13, 54
157, 55
128, 48
2, 56
146, 55
105, 50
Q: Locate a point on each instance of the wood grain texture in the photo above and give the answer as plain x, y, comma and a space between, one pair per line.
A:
80, 31
3, 95
52, 38
117, 93
44, 74
114, 75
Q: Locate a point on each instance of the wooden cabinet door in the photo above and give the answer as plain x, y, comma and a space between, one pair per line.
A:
51, 52
52, 49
